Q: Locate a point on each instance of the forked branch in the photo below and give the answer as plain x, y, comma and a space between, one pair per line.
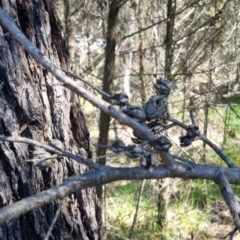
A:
103, 174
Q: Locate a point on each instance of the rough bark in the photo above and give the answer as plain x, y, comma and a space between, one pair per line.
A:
33, 104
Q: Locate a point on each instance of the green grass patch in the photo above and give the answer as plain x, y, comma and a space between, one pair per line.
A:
188, 212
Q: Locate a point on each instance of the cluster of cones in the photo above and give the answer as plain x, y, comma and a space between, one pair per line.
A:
148, 114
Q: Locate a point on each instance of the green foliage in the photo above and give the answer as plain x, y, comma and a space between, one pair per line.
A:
233, 100
232, 116
233, 151
198, 193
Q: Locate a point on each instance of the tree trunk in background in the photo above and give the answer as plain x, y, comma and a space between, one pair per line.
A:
163, 196
171, 11
33, 104
141, 55
108, 76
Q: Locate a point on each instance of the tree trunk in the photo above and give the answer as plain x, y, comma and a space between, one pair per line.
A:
109, 67
169, 50
33, 104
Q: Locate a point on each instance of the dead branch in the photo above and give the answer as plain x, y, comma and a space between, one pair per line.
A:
106, 175
228, 195
52, 149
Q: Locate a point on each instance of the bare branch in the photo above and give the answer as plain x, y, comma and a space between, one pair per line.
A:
194, 123
229, 196
74, 184
54, 220
182, 159
87, 83
68, 82
159, 22
109, 174
215, 148
52, 149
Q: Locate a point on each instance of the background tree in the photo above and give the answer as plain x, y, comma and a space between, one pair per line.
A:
34, 105
108, 76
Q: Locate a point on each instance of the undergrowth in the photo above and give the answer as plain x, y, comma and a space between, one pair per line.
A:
191, 211
188, 212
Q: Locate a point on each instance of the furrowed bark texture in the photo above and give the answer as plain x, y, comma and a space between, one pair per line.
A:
33, 104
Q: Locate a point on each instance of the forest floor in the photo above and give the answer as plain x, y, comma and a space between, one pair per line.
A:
185, 220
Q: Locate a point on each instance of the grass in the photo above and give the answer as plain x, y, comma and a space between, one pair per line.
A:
121, 205
186, 214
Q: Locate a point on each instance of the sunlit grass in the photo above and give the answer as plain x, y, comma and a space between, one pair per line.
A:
188, 214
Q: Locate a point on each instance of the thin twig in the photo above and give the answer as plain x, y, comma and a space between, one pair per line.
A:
54, 220
230, 234
182, 159
87, 83
52, 149
177, 145
137, 207
215, 148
